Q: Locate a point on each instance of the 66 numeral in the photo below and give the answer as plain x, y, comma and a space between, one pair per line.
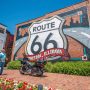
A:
47, 41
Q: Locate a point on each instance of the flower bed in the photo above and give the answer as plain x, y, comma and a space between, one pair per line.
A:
11, 84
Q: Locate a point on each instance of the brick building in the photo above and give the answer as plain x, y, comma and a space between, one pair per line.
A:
76, 32
9, 45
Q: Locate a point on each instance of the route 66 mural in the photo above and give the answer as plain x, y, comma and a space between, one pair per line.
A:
63, 36
46, 39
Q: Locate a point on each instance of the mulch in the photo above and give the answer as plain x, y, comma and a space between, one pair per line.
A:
58, 81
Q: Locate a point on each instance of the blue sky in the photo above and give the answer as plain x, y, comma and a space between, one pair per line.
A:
13, 12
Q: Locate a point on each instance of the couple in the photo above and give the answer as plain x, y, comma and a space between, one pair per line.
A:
2, 60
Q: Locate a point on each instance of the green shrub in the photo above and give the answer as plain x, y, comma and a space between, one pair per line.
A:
74, 68
14, 65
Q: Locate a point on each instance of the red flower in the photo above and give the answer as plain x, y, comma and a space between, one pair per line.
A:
25, 83
24, 87
30, 88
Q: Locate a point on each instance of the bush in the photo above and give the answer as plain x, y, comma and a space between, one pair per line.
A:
14, 65
74, 68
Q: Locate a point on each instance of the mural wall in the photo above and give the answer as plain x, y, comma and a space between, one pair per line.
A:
66, 30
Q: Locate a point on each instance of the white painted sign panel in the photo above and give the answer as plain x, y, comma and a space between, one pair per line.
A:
46, 36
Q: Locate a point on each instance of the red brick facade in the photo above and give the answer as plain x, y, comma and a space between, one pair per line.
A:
9, 45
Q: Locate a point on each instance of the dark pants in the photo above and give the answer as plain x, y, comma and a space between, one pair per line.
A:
1, 67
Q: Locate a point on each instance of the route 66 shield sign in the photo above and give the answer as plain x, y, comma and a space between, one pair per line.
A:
46, 38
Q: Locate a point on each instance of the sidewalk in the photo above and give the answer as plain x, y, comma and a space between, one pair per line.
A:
59, 81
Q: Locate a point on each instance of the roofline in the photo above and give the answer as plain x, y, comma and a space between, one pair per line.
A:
3, 25
28, 21
31, 19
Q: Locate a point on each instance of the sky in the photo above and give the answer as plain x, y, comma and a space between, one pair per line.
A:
13, 12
